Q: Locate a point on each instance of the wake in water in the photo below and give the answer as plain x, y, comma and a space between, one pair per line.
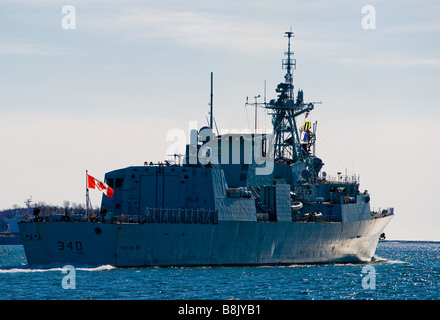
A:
374, 260
28, 269
378, 260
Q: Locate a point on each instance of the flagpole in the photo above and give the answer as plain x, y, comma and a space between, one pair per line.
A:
87, 193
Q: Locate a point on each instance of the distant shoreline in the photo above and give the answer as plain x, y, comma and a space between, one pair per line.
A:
421, 241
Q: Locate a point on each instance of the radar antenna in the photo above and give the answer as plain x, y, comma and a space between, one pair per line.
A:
289, 64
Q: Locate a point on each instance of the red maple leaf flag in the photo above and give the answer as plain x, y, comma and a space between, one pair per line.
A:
93, 183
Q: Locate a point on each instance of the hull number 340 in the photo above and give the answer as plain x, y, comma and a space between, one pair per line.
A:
64, 245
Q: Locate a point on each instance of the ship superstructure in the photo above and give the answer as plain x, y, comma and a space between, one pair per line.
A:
247, 199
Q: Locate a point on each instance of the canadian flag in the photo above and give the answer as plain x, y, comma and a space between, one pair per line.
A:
95, 183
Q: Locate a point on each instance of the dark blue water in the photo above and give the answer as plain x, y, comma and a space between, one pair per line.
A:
403, 270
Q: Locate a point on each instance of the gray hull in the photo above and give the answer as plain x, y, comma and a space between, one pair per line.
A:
225, 243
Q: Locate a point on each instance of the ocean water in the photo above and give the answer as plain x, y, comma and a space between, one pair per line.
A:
402, 270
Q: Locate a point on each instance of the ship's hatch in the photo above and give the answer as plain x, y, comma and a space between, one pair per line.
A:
159, 191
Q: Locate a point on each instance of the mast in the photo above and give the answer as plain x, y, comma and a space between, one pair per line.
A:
285, 110
87, 193
256, 106
288, 64
212, 96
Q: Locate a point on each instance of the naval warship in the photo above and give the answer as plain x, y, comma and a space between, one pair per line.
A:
236, 199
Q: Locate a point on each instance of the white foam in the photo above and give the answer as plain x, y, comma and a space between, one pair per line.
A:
57, 269
378, 259
100, 268
20, 270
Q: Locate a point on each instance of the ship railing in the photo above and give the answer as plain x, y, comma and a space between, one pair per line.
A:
53, 213
55, 216
314, 218
181, 215
340, 179
380, 213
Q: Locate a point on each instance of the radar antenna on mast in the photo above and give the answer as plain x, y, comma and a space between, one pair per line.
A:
289, 64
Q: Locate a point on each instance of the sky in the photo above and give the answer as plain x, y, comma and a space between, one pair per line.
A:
105, 94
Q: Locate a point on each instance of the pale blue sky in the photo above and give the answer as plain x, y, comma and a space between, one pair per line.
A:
104, 96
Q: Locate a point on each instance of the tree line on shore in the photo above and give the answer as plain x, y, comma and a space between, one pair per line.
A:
45, 208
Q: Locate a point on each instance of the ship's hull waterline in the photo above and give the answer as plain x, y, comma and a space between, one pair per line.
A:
225, 243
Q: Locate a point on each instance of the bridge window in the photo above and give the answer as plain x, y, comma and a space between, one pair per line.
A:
118, 182
109, 181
